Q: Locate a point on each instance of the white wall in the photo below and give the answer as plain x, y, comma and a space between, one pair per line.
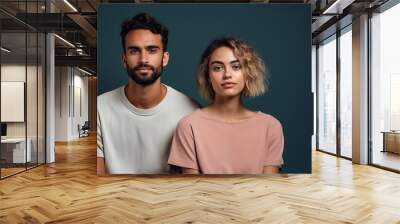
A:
79, 102
70, 83
17, 72
33, 126
314, 91
14, 72
61, 103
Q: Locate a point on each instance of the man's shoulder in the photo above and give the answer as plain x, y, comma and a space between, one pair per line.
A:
109, 100
179, 97
176, 92
109, 96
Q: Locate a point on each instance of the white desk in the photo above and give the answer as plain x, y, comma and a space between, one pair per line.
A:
391, 141
18, 149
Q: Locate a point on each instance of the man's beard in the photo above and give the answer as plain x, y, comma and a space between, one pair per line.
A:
144, 80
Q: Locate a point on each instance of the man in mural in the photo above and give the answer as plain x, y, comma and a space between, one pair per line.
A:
135, 122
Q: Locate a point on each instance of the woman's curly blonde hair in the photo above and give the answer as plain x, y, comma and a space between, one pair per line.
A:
253, 68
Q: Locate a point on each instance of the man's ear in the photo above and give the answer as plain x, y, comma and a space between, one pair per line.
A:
165, 58
123, 60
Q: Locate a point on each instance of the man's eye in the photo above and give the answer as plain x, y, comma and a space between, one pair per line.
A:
152, 50
134, 51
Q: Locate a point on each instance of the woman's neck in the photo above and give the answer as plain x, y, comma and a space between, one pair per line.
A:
228, 109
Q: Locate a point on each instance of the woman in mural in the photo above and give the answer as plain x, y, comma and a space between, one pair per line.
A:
225, 137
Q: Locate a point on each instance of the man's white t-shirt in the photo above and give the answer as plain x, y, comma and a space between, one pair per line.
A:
134, 140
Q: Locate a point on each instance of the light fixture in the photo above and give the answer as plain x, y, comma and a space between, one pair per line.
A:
329, 9
337, 7
64, 40
79, 51
70, 5
5, 50
84, 71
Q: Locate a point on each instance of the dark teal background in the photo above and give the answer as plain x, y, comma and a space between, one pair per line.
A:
280, 33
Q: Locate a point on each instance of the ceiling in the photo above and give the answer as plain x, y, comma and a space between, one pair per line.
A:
76, 22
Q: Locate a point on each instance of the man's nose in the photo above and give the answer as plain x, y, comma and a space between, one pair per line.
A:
144, 58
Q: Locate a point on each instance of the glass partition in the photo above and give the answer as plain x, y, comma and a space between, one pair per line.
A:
13, 103
41, 109
31, 100
22, 64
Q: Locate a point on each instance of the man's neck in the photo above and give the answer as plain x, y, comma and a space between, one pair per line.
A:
145, 97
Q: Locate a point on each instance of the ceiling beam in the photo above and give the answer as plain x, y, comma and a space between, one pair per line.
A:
83, 61
86, 26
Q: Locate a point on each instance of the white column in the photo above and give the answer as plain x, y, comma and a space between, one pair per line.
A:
360, 90
50, 93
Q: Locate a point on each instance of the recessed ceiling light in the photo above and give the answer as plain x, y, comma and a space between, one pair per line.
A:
337, 7
70, 5
64, 40
84, 71
5, 50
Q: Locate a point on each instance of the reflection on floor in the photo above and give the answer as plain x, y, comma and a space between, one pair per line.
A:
346, 152
69, 191
10, 171
386, 159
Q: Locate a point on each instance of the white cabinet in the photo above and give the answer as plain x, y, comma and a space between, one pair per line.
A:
17, 147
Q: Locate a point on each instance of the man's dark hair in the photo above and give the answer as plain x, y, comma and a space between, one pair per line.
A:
147, 22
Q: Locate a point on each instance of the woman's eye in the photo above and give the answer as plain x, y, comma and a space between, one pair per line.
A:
236, 67
217, 68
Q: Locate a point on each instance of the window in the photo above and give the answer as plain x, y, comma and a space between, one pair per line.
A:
327, 95
346, 75
385, 87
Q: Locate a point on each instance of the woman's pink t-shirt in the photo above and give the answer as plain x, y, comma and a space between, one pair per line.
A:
217, 147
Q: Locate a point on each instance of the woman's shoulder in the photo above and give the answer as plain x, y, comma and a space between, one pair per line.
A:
190, 118
269, 119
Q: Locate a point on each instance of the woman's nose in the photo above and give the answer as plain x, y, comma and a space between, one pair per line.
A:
227, 74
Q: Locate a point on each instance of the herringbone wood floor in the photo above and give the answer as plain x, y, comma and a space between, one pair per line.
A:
70, 192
